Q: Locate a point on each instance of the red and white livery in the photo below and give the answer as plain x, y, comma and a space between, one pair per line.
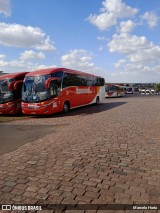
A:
112, 90
10, 92
53, 90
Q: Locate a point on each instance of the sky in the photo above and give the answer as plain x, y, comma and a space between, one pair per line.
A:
116, 39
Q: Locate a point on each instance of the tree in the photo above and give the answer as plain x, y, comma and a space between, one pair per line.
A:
158, 87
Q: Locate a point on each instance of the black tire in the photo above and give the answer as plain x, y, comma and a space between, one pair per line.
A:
66, 107
97, 100
117, 95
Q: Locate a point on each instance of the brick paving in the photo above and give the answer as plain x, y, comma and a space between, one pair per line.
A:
106, 154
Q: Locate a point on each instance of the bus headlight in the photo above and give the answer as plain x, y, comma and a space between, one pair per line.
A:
8, 105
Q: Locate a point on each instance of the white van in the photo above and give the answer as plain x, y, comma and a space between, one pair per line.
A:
143, 92
147, 92
153, 91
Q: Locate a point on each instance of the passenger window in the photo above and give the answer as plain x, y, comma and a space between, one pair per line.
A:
54, 91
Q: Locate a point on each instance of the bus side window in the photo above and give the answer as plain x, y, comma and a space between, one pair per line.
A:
66, 80
54, 88
101, 81
96, 82
90, 82
51, 89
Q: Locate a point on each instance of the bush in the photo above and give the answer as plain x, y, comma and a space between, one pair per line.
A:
158, 87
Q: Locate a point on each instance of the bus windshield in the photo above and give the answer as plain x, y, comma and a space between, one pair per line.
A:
34, 89
5, 94
129, 89
111, 88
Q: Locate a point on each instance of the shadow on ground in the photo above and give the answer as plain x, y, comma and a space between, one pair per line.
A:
87, 110
13, 136
8, 118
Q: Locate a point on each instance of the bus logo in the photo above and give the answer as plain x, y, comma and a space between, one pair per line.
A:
83, 91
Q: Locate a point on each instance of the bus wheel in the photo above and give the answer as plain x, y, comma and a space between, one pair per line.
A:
97, 100
66, 107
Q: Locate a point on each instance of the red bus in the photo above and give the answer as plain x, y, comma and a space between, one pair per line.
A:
53, 90
112, 90
10, 92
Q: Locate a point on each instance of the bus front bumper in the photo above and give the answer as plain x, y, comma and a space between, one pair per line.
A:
35, 109
10, 108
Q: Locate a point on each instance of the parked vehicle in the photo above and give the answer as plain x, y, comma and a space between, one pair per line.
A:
152, 91
11, 92
112, 90
147, 92
135, 90
53, 90
143, 92
157, 92
128, 90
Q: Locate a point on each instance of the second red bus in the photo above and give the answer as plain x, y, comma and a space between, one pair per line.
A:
10, 92
112, 90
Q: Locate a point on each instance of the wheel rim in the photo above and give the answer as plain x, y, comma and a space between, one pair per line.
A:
66, 107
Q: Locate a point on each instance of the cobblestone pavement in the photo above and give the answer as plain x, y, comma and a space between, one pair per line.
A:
100, 154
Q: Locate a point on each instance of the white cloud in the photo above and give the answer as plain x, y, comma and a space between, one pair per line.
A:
24, 62
77, 58
42, 66
14, 65
119, 63
120, 8
131, 72
127, 43
2, 56
151, 18
24, 36
5, 7
101, 48
111, 11
137, 49
80, 60
102, 21
101, 38
127, 26
150, 55
141, 63
46, 45
29, 55
20, 65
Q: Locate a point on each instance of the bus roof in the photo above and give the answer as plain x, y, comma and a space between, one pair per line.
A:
52, 70
13, 75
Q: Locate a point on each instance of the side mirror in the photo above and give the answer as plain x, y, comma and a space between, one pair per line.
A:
47, 83
16, 84
10, 86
